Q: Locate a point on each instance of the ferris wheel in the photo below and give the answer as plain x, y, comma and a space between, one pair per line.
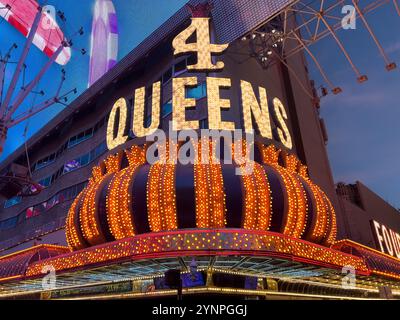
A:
39, 27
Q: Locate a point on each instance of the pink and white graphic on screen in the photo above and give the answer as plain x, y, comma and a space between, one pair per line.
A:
104, 40
21, 15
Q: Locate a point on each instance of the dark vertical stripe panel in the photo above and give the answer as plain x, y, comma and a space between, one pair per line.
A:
139, 203
279, 199
312, 209
234, 197
77, 221
185, 196
101, 211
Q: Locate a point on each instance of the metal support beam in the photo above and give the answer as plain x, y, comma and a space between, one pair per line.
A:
27, 90
397, 6
296, 77
4, 61
21, 62
334, 89
2, 75
309, 24
360, 77
389, 65
40, 107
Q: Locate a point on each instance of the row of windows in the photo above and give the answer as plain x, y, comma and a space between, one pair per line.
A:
68, 167
62, 196
73, 141
83, 136
12, 202
75, 164
48, 181
177, 69
45, 161
85, 159
198, 92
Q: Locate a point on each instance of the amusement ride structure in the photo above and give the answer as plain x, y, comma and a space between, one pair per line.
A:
41, 30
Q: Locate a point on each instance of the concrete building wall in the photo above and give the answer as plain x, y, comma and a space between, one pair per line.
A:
357, 217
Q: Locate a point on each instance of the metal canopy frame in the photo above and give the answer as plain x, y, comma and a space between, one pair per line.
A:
275, 268
306, 22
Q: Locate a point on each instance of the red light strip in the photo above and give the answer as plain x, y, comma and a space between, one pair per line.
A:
196, 242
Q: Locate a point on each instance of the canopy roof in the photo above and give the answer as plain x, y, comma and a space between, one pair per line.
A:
16, 264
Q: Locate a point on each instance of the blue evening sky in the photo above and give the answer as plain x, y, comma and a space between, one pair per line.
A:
362, 122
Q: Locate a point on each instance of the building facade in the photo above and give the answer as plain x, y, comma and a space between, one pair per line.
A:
63, 153
72, 153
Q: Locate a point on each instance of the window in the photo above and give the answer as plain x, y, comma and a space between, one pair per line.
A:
46, 182
83, 136
180, 67
45, 161
167, 76
177, 69
192, 60
73, 141
12, 202
9, 223
32, 212
62, 196
166, 109
85, 159
98, 151
72, 165
198, 92
203, 124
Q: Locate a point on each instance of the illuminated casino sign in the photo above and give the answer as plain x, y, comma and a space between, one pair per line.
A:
387, 239
255, 103
177, 206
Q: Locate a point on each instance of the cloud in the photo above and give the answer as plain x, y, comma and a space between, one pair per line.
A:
359, 98
394, 47
366, 99
363, 130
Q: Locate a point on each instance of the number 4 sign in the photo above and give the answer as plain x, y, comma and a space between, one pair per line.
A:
202, 47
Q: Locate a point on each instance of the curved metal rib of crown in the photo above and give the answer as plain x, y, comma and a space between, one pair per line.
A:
305, 199
127, 196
